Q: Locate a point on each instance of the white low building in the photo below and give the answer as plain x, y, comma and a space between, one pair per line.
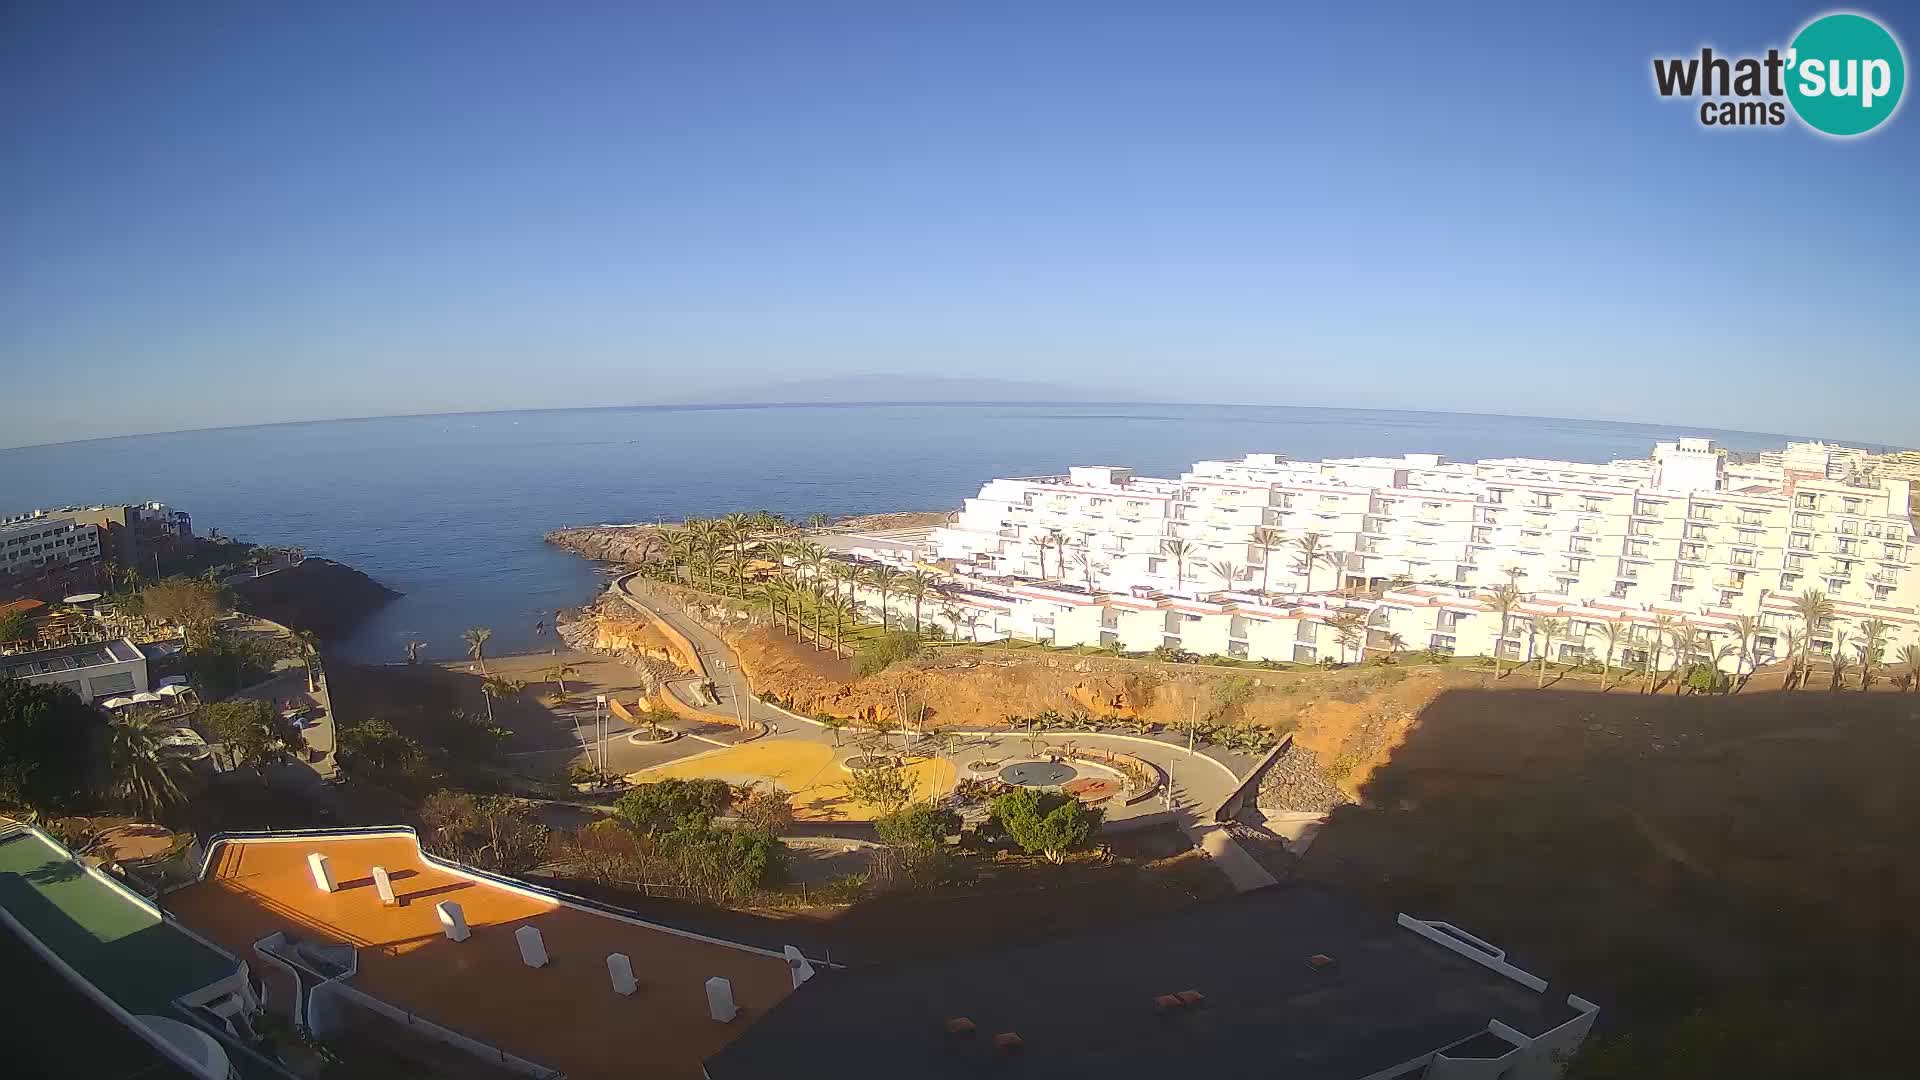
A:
103, 669
1257, 557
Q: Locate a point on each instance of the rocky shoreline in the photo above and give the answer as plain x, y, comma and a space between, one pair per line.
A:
635, 545
329, 598
629, 545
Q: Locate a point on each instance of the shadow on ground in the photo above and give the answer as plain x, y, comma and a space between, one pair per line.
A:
1653, 853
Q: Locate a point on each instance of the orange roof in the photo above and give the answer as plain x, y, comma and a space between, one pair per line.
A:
20, 605
564, 1015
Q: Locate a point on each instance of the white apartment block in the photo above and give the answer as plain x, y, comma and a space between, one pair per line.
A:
1100, 556
29, 543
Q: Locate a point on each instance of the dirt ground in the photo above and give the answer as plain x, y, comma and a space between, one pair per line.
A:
403, 694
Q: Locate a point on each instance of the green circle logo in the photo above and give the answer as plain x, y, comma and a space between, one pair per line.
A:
1845, 74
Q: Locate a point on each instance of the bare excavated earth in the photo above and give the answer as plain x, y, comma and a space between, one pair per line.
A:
1351, 719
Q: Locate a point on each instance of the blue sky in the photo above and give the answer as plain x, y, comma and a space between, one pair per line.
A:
218, 214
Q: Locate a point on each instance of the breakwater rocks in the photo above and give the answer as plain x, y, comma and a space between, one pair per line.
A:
320, 595
630, 545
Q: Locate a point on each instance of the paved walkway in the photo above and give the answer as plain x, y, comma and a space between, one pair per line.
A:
1197, 783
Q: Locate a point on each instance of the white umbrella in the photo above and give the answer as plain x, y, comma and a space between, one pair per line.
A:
144, 697
173, 690
116, 702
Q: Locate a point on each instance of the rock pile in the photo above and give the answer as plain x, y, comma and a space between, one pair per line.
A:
1296, 783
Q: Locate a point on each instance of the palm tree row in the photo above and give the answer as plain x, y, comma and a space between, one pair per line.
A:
1696, 649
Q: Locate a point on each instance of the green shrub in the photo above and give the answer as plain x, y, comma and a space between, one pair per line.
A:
921, 827
884, 651
1045, 823
673, 803
376, 751
728, 862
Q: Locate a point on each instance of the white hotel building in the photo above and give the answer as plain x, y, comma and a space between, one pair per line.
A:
1412, 542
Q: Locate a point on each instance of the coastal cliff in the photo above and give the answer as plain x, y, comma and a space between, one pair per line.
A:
320, 595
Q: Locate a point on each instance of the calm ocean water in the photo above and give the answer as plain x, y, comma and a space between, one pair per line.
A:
450, 509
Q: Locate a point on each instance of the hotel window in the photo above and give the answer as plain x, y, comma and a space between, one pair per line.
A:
1800, 542
1677, 594
1808, 502
1850, 528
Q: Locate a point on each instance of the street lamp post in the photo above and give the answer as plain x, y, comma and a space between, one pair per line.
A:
599, 729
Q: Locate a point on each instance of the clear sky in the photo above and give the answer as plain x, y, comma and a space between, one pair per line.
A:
230, 213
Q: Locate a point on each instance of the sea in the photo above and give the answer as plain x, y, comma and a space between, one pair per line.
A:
451, 509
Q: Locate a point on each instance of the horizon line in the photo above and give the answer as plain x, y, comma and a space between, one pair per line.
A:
904, 402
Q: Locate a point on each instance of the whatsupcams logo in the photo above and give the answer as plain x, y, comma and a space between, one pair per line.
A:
1842, 75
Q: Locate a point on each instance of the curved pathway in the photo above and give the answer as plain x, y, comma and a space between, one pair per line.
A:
1193, 791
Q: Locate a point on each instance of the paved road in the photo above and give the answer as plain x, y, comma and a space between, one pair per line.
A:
1197, 783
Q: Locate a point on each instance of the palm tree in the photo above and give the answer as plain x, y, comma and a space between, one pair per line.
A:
499, 687
1744, 629
810, 556
1350, 629
309, 646
1503, 600
1088, 566
780, 597
680, 545
951, 613
843, 573
558, 673
1614, 631
1268, 541
883, 579
834, 724
1396, 645
1228, 570
1041, 542
1910, 656
1793, 644
1549, 630
1837, 658
736, 531
1684, 642
145, 773
842, 610
915, 587
1873, 633
1179, 549
1814, 610
1662, 629
476, 640
972, 619
1309, 546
